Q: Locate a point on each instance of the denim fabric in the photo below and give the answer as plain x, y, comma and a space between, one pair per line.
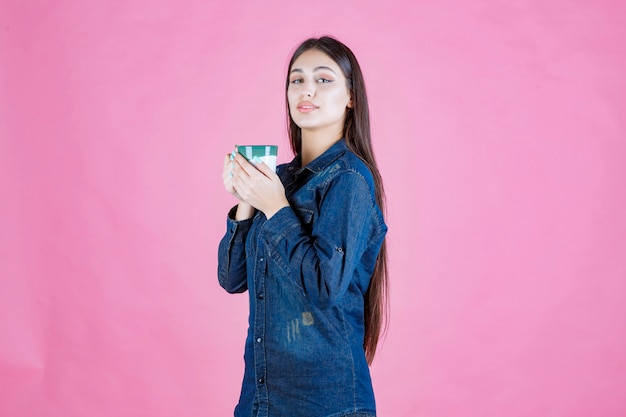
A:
306, 270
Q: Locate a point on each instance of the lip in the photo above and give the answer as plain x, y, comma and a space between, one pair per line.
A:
306, 106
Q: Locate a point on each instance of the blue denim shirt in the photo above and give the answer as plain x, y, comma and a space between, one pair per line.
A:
307, 269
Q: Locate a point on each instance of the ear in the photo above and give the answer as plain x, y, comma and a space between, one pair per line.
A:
351, 101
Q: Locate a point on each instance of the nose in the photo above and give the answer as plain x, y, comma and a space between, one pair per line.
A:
308, 90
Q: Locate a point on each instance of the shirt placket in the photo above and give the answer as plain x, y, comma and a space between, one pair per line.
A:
260, 271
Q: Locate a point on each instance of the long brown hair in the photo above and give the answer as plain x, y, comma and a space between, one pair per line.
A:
356, 132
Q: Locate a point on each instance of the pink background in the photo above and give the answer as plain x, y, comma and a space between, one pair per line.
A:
500, 131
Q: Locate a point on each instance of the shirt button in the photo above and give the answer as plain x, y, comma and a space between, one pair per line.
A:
261, 259
261, 380
260, 295
259, 340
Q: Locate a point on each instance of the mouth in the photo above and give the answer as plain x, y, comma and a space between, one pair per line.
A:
306, 107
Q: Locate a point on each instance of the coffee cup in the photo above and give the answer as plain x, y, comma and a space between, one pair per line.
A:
258, 153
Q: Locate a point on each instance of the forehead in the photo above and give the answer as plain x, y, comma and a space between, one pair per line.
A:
314, 58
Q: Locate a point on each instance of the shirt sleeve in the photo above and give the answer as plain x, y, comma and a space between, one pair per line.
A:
231, 268
323, 258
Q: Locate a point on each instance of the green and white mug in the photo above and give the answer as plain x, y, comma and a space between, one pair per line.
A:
256, 153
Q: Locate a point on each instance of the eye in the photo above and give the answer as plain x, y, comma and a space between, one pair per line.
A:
296, 81
324, 80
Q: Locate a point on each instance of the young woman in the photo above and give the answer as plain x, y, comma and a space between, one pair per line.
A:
308, 245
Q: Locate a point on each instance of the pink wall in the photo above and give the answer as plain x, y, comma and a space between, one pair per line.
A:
500, 130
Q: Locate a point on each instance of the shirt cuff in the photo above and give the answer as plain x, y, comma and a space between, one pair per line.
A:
238, 228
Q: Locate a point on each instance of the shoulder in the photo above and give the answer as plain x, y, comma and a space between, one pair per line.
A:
349, 163
350, 176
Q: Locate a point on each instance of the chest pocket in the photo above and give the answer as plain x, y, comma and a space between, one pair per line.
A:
306, 217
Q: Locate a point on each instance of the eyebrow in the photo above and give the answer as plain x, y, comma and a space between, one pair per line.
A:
314, 69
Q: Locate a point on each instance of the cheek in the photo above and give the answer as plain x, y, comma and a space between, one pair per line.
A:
292, 98
340, 98
292, 101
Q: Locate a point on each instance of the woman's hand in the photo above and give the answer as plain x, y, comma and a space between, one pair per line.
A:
244, 210
227, 176
256, 185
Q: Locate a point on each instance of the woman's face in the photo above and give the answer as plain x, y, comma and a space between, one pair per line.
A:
317, 93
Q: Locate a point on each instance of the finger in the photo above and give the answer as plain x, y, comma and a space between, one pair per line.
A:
239, 170
227, 173
240, 187
264, 168
228, 168
245, 165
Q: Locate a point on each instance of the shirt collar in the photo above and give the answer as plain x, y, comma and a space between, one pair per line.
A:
322, 161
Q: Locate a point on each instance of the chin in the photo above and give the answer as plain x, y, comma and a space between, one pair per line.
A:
305, 124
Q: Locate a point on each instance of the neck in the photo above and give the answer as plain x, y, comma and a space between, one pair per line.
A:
315, 143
